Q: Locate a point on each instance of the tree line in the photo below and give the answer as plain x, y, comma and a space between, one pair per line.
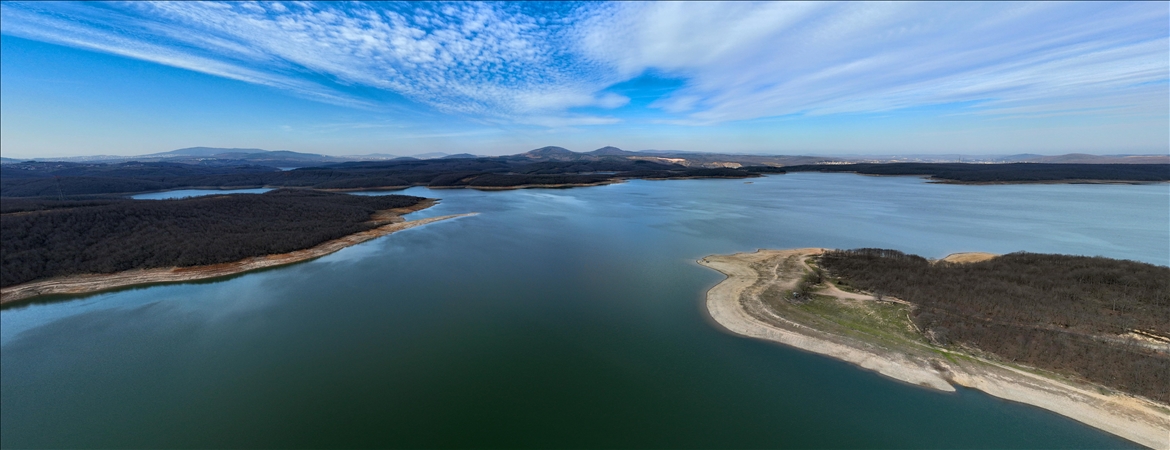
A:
1007, 173
48, 239
1058, 312
63, 180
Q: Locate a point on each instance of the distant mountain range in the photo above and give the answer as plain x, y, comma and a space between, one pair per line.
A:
213, 156
207, 152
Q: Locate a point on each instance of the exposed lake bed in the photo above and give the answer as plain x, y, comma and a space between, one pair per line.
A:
553, 318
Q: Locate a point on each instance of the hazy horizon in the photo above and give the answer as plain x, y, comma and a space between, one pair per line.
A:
651, 151
831, 79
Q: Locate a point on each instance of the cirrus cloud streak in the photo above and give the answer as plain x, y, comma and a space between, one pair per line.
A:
550, 65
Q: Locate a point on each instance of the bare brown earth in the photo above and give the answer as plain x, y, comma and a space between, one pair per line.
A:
388, 221
878, 335
969, 257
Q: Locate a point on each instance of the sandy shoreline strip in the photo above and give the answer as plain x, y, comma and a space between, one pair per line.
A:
81, 284
731, 304
724, 305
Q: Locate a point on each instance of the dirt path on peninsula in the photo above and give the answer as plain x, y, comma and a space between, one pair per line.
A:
738, 304
387, 222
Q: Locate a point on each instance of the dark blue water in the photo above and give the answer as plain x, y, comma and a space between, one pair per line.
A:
555, 318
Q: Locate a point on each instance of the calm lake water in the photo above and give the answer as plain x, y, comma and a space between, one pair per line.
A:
184, 193
554, 318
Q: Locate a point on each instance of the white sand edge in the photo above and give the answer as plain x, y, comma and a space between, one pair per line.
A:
83, 284
1133, 418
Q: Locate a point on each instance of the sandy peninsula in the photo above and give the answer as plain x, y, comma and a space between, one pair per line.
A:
878, 335
388, 221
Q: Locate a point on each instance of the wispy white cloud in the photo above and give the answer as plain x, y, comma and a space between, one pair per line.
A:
78, 27
749, 60
476, 58
512, 63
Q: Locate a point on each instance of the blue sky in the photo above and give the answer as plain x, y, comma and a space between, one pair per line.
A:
501, 78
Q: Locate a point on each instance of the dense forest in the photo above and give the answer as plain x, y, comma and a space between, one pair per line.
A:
49, 238
1062, 313
27, 204
1004, 173
62, 180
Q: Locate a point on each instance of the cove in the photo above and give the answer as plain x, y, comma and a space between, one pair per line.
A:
554, 318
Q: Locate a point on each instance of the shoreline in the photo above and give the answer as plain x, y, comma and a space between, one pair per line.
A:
1071, 181
927, 178
480, 188
391, 221
734, 304
932, 180
529, 186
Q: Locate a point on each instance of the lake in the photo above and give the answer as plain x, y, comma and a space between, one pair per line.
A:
554, 318
185, 193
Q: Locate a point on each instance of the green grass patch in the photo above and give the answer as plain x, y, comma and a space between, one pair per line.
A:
885, 322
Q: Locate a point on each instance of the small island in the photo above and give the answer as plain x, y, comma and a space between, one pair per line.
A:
83, 246
1083, 337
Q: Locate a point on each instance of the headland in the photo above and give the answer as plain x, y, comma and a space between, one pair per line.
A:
390, 220
768, 295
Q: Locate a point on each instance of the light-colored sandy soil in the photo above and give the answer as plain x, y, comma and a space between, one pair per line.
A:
389, 221
968, 257
733, 310
736, 305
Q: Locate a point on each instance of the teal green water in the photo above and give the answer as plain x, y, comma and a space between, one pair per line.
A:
554, 318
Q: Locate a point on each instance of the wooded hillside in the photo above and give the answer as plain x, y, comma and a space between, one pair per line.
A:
1069, 314
49, 238
66, 180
